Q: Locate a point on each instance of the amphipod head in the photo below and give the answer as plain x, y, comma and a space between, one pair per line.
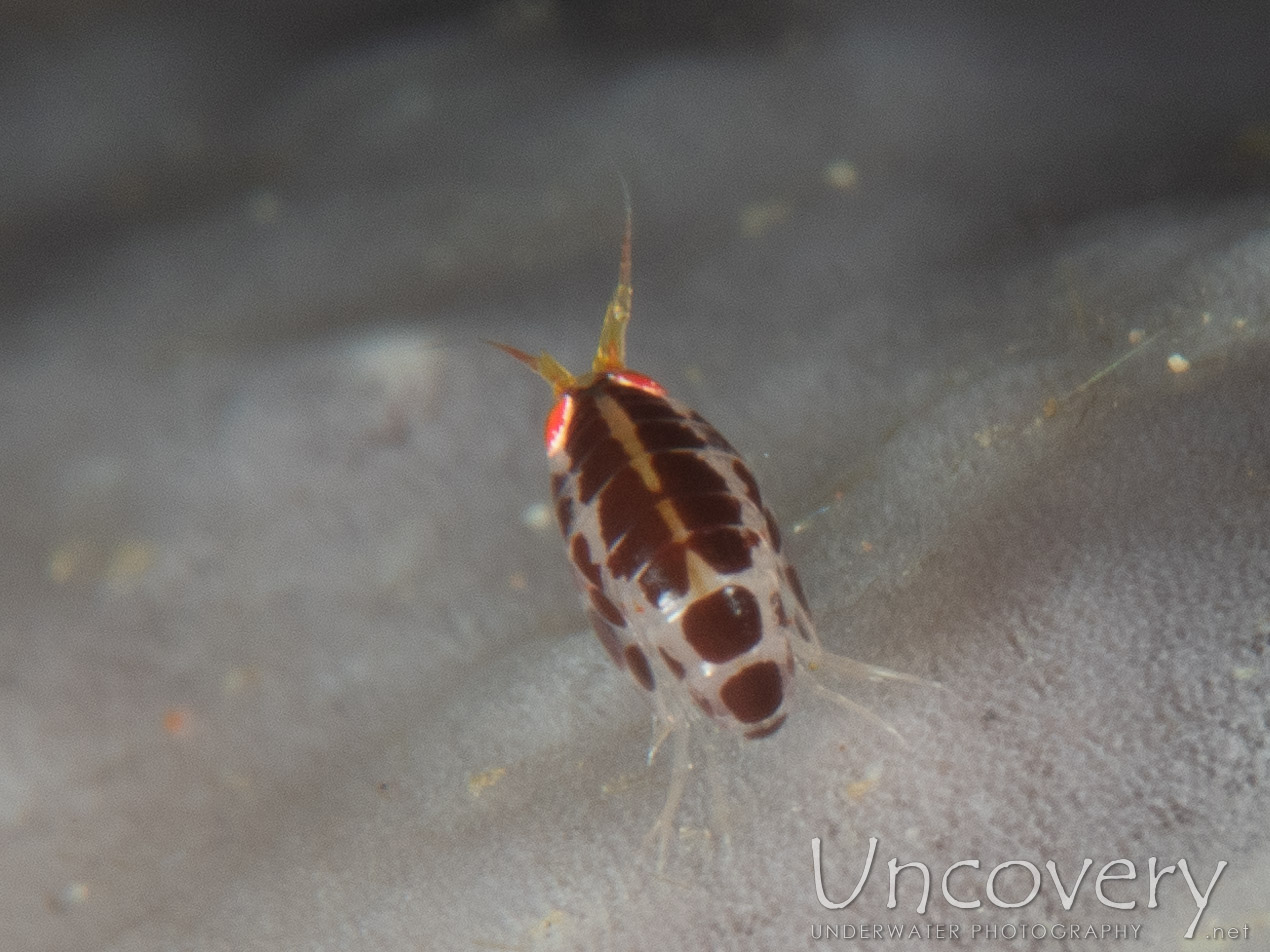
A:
610, 358
556, 429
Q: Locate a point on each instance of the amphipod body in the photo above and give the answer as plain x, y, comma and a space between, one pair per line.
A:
678, 558
679, 561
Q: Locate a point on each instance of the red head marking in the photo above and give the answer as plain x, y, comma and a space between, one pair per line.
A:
556, 432
610, 358
631, 378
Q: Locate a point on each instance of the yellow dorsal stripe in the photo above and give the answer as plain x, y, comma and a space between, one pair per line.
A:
623, 430
702, 578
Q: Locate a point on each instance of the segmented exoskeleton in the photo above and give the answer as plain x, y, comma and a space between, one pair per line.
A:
680, 562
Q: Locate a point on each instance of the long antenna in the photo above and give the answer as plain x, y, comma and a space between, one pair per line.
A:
611, 354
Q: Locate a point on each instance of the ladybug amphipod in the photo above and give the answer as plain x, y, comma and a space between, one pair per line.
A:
679, 561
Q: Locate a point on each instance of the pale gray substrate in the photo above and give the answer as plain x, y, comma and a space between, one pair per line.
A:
260, 471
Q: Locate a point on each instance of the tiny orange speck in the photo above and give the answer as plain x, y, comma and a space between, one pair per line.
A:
176, 721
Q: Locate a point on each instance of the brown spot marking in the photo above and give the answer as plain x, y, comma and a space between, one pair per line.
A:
587, 425
791, 573
778, 609
767, 731
582, 439
660, 436
675, 667
604, 605
744, 475
639, 545
597, 466
773, 530
665, 574
804, 628
707, 432
639, 667
564, 514
754, 693
726, 549
705, 704
706, 512
715, 439
621, 503
724, 624
580, 552
608, 636
646, 408
638, 404
557, 483
685, 473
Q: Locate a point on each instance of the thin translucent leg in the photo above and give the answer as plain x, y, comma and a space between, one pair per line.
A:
663, 726
720, 816
817, 658
846, 667
857, 708
662, 829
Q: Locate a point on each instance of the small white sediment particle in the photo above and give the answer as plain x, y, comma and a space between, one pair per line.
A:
841, 175
1178, 364
537, 516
